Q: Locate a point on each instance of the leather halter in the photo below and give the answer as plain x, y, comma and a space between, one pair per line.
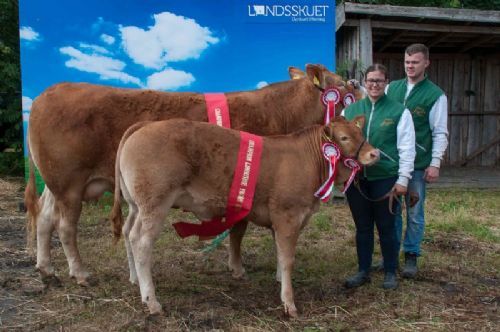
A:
391, 195
358, 150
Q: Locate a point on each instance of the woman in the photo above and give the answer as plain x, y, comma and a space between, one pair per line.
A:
389, 127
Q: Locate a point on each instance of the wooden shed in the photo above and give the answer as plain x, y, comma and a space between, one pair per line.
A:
465, 63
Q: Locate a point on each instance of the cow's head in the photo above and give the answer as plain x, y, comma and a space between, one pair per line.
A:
323, 79
349, 137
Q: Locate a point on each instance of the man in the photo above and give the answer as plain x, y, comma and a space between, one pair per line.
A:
429, 108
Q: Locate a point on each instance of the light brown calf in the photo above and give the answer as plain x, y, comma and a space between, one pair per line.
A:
191, 165
75, 129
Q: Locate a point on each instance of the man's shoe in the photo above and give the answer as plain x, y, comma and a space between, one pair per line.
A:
378, 266
390, 281
410, 268
360, 278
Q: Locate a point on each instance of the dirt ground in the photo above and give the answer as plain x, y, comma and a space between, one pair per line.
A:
458, 288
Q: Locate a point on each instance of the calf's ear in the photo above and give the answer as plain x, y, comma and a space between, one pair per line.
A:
328, 130
295, 73
359, 121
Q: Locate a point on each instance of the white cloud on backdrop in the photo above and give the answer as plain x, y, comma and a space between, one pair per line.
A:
28, 34
95, 48
262, 84
172, 38
169, 79
107, 68
110, 40
26, 102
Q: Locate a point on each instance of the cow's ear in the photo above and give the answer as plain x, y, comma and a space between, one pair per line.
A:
359, 121
315, 75
295, 73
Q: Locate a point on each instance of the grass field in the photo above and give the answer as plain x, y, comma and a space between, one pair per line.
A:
458, 287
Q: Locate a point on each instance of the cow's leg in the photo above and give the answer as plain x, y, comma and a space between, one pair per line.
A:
70, 209
235, 238
286, 235
45, 225
143, 234
129, 223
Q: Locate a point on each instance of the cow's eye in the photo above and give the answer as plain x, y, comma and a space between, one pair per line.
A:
344, 138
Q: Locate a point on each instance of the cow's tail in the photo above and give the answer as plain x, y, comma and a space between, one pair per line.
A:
116, 217
31, 204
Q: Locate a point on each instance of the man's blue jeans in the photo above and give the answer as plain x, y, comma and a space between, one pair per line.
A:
415, 222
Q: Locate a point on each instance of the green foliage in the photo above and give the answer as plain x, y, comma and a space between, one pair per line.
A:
481, 4
350, 69
468, 4
11, 162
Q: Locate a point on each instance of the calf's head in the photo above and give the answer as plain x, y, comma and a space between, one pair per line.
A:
351, 141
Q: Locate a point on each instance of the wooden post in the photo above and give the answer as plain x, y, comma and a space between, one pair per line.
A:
339, 16
365, 43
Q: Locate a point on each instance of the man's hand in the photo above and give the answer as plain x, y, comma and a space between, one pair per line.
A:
431, 174
399, 189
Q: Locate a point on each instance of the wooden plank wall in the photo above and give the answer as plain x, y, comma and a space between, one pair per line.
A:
347, 48
472, 86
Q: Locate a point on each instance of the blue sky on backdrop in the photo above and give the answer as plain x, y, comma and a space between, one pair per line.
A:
171, 45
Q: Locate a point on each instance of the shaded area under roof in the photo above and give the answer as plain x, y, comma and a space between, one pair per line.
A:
444, 30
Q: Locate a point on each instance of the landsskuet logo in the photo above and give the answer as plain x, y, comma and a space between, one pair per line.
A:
296, 13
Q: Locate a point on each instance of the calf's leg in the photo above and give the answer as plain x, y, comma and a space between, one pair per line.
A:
45, 225
143, 234
235, 238
286, 234
129, 223
127, 226
278, 268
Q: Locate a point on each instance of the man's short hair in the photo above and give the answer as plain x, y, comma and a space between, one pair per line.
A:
418, 48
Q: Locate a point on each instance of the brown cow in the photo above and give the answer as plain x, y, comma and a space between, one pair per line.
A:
74, 131
190, 165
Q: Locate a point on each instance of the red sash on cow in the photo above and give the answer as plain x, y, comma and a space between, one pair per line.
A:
217, 109
241, 194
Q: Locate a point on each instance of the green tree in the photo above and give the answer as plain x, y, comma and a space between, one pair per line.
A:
11, 162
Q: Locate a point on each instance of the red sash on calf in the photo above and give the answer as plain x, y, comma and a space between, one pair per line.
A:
217, 109
241, 194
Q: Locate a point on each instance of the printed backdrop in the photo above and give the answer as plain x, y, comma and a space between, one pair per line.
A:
171, 45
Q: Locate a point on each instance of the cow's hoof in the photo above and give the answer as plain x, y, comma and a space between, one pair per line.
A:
291, 311
152, 319
133, 279
82, 278
45, 271
239, 275
88, 281
155, 308
51, 281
